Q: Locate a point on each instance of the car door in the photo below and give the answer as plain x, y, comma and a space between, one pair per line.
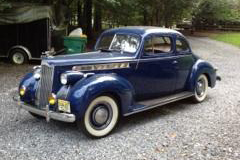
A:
155, 72
184, 61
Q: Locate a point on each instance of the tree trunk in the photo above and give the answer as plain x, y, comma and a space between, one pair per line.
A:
157, 17
97, 16
80, 14
145, 22
88, 18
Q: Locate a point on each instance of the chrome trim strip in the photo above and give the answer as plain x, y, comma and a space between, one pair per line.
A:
161, 58
107, 66
64, 117
159, 104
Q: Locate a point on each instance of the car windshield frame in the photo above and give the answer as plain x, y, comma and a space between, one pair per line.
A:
110, 47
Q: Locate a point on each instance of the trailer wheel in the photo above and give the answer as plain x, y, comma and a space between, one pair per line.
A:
18, 56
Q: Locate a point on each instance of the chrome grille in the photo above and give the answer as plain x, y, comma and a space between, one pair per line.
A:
45, 87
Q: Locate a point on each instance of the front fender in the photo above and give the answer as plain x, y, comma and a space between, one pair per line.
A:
84, 91
201, 67
31, 86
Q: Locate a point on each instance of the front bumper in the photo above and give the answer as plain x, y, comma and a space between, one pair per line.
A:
48, 114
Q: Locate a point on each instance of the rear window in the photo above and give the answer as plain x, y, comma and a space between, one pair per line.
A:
182, 45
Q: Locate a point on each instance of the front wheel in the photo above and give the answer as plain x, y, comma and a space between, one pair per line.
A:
201, 89
100, 117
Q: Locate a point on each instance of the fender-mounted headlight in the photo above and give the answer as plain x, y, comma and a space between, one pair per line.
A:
37, 75
63, 78
71, 77
37, 72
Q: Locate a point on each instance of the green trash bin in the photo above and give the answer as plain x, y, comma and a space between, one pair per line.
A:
75, 44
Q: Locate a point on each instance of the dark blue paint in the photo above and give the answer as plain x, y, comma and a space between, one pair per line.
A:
31, 86
147, 77
87, 89
73, 77
201, 67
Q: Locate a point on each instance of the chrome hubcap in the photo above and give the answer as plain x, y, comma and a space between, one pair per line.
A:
18, 58
101, 115
201, 87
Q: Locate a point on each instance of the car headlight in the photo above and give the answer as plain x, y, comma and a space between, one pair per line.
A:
37, 75
71, 77
37, 72
63, 78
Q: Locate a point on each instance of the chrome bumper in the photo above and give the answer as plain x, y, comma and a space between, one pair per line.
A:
48, 114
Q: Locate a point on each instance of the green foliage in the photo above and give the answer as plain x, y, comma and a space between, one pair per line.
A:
153, 12
231, 38
145, 12
212, 12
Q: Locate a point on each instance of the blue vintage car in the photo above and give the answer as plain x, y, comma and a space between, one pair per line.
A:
132, 69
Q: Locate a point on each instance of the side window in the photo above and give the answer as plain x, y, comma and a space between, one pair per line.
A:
157, 45
182, 45
148, 46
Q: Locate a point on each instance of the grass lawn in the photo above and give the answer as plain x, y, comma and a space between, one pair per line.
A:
228, 37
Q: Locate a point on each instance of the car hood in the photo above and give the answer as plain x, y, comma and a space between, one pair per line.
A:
88, 58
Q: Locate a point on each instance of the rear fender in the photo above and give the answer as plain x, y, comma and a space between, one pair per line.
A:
84, 91
201, 67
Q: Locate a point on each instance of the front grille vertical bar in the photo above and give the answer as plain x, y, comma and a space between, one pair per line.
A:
45, 87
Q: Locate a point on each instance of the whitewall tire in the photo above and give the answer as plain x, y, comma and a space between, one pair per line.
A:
201, 89
101, 117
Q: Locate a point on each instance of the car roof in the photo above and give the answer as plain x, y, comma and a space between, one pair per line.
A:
142, 30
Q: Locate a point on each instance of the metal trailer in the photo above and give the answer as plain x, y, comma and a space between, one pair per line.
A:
22, 42
28, 30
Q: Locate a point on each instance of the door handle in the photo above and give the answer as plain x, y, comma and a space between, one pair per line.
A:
175, 62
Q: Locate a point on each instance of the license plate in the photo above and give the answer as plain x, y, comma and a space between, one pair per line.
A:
64, 106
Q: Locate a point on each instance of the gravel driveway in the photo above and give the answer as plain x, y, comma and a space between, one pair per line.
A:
182, 130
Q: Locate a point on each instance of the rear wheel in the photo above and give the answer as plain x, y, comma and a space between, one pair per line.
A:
201, 89
100, 117
18, 56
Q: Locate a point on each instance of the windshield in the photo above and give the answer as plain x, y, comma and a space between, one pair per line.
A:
119, 42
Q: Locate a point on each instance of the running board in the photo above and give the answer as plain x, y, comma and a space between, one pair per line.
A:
150, 104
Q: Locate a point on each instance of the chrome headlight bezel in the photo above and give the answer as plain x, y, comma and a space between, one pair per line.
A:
71, 77
37, 72
36, 67
37, 75
64, 78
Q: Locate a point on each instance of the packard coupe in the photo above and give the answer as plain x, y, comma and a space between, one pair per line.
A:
132, 69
